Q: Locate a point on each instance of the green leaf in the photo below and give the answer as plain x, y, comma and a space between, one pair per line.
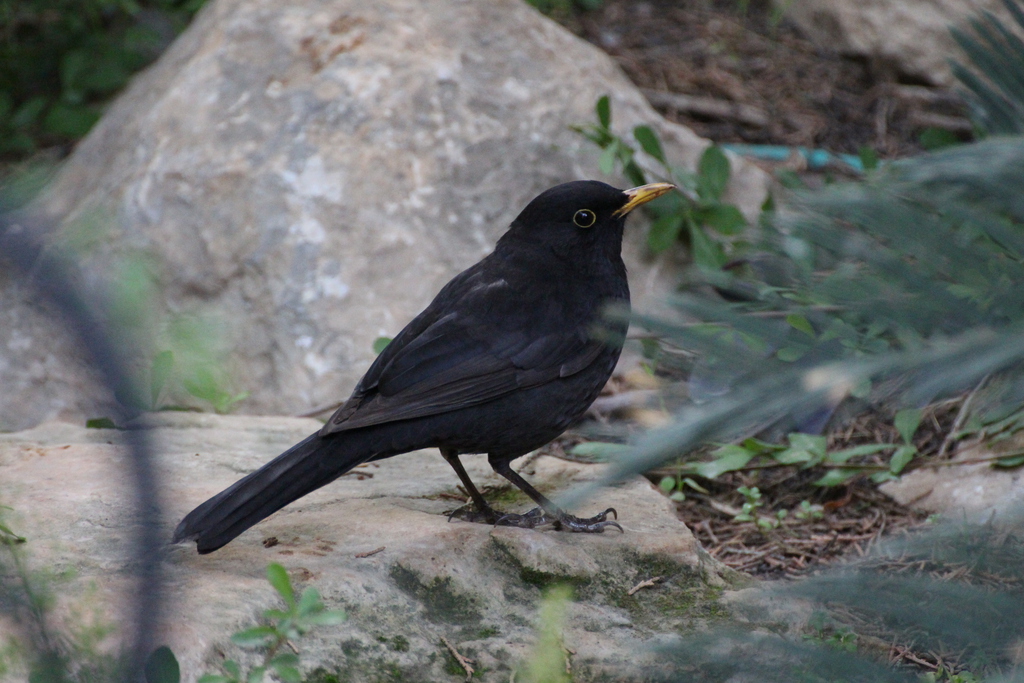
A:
713, 173
285, 659
839, 457
256, 675
667, 484
231, 666
725, 219
8, 536
706, 253
256, 636
788, 354
794, 456
599, 450
798, 322
1010, 461
381, 343
907, 421
309, 602
215, 678
288, 674
100, 423
607, 161
70, 120
278, 578
759, 446
604, 111
694, 485
933, 139
727, 459
649, 142
329, 617
901, 458
868, 158
162, 666
664, 232
163, 362
836, 477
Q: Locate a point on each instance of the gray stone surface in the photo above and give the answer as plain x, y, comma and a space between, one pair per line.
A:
475, 585
312, 172
908, 38
974, 491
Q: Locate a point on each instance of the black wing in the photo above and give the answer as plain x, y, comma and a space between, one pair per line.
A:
481, 337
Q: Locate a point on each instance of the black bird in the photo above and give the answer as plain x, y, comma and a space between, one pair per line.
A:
501, 362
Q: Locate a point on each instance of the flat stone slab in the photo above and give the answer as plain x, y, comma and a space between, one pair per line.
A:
475, 585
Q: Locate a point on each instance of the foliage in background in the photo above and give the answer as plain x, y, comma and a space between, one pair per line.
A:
61, 60
995, 85
695, 213
564, 7
920, 253
954, 592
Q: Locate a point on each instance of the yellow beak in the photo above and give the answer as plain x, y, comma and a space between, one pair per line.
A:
642, 195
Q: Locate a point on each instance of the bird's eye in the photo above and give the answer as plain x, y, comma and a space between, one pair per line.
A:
584, 218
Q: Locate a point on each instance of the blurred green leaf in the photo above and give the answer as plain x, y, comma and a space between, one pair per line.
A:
799, 322
713, 171
937, 138
71, 120
906, 422
836, 477
725, 219
901, 458
381, 343
649, 142
278, 578
331, 617
868, 158
257, 636
599, 450
604, 111
162, 666
160, 370
727, 459
664, 232
608, 157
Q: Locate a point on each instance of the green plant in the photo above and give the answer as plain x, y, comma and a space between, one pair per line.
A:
301, 614
547, 664
696, 213
60, 60
564, 7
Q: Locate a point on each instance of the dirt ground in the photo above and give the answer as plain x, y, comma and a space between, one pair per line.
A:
770, 85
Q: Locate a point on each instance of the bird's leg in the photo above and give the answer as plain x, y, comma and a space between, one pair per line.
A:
547, 512
484, 512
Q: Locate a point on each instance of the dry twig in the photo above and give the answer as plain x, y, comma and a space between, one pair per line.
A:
464, 662
645, 584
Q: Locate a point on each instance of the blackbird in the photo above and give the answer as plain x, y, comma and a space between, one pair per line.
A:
501, 362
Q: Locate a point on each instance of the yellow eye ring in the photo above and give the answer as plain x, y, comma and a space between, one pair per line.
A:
584, 218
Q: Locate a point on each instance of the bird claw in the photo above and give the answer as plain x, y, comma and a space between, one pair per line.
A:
470, 513
537, 517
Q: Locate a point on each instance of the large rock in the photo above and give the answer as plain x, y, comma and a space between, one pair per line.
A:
313, 171
906, 38
477, 586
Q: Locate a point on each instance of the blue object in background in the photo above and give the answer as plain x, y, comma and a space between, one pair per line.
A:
816, 158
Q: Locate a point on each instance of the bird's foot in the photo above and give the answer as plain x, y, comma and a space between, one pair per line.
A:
538, 517
471, 513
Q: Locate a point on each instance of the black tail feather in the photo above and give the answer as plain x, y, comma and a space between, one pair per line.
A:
303, 468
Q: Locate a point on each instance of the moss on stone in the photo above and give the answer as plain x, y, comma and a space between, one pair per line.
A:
440, 597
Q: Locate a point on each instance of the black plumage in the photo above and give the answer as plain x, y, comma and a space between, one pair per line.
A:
501, 362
